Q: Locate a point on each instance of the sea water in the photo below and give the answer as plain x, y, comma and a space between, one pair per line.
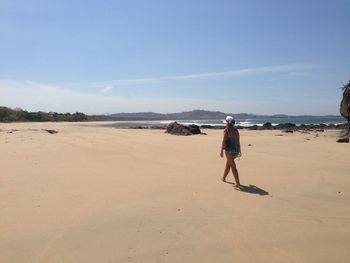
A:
298, 120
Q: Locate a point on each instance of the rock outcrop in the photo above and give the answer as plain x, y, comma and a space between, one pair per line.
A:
179, 129
345, 104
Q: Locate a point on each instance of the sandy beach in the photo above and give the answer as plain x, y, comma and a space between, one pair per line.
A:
97, 194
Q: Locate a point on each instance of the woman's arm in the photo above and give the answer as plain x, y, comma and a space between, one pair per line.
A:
239, 143
223, 143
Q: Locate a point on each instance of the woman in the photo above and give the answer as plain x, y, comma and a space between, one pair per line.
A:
232, 147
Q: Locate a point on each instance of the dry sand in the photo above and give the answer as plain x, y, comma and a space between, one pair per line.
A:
92, 194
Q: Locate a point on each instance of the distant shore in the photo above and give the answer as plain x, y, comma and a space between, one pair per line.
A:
267, 126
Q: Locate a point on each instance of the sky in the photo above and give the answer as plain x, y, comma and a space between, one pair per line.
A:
101, 57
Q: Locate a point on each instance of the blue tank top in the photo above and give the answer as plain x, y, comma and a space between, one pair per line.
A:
232, 144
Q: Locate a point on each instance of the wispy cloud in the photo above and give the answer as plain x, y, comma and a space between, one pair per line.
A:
242, 72
289, 68
69, 97
106, 89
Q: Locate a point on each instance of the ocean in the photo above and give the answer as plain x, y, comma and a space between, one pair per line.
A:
274, 121
241, 122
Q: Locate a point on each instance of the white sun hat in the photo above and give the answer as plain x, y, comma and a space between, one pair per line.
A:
229, 119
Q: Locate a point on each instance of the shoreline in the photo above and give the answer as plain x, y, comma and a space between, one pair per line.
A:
288, 126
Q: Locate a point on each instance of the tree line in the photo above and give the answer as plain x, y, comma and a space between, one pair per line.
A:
13, 115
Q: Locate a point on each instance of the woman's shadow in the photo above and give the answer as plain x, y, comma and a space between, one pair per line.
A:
252, 189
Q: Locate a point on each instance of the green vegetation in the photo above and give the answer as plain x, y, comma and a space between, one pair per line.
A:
13, 115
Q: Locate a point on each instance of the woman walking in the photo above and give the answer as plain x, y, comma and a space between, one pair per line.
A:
232, 147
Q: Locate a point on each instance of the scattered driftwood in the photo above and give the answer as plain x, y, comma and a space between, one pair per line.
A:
179, 129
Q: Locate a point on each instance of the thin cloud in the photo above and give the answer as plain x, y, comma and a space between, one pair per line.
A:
35, 97
242, 72
289, 68
106, 89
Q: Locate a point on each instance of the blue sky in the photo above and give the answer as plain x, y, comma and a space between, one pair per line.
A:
261, 57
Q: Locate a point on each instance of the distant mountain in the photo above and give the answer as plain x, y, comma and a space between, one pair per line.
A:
192, 115
188, 115
196, 115
139, 116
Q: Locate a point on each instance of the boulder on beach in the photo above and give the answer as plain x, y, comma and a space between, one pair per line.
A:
194, 129
286, 125
267, 124
343, 140
179, 129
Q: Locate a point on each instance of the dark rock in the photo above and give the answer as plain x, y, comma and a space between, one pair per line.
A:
288, 131
341, 126
179, 129
254, 127
343, 140
158, 127
285, 125
267, 124
194, 129
345, 105
51, 131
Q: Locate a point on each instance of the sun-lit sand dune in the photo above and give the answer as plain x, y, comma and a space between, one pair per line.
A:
92, 194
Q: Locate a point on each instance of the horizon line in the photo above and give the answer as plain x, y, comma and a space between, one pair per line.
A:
211, 111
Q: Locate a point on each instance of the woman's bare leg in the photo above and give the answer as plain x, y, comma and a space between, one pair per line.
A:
232, 164
227, 170
235, 173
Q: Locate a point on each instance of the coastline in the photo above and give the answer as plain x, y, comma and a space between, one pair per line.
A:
162, 125
98, 194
